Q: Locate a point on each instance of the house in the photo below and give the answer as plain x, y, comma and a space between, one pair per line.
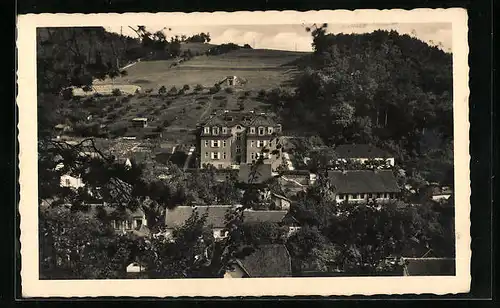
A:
229, 139
176, 217
362, 153
140, 122
136, 270
267, 261
428, 266
280, 202
363, 185
231, 81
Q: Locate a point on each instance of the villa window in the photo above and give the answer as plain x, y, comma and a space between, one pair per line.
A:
113, 224
215, 144
68, 182
252, 155
224, 130
128, 224
224, 155
238, 150
341, 196
138, 223
252, 130
206, 154
261, 131
252, 143
207, 130
269, 130
215, 155
264, 143
224, 143
206, 143
215, 130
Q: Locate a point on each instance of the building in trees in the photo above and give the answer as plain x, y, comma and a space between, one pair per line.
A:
215, 219
229, 139
232, 81
363, 153
363, 185
267, 261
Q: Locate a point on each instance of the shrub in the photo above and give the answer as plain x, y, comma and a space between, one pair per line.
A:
241, 106
169, 103
116, 92
229, 90
166, 123
198, 107
246, 93
162, 90
181, 92
186, 87
219, 97
214, 90
173, 91
198, 88
261, 93
67, 94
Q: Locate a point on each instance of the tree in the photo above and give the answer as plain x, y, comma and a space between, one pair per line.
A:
162, 90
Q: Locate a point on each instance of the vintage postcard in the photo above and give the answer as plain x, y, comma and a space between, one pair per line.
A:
244, 153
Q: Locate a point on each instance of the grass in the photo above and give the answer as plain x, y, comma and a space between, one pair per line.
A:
263, 69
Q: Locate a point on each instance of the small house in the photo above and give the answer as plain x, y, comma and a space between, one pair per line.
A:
428, 266
216, 218
280, 202
362, 153
266, 261
364, 185
140, 122
231, 81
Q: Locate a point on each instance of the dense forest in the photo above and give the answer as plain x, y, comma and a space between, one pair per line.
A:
382, 88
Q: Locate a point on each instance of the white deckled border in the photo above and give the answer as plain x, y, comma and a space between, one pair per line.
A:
27, 97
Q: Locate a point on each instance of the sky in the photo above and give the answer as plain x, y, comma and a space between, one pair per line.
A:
295, 38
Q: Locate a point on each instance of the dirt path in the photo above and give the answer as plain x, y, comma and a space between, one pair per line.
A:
207, 108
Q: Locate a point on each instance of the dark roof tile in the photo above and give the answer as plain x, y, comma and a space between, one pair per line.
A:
363, 181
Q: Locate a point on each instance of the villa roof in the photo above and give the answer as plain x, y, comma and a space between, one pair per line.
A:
363, 181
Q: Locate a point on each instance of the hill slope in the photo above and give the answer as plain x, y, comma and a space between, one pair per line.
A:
263, 69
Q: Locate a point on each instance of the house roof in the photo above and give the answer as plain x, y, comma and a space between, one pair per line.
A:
216, 215
250, 216
233, 118
360, 151
268, 261
429, 266
262, 173
363, 181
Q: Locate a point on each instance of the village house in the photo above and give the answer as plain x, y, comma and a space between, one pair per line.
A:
229, 139
232, 81
140, 122
271, 260
362, 153
176, 217
363, 185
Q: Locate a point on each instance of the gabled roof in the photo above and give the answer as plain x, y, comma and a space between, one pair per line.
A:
268, 261
254, 174
229, 119
360, 151
250, 216
262, 120
363, 181
216, 215
429, 266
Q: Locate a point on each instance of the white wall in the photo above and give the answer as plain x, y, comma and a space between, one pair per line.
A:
71, 181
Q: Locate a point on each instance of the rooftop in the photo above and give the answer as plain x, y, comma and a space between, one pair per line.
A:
360, 151
233, 118
268, 261
363, 181
216, 215
429, 266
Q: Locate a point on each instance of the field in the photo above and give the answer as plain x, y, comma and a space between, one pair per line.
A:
263, 69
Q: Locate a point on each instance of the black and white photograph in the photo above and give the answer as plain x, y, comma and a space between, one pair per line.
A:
219, 151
